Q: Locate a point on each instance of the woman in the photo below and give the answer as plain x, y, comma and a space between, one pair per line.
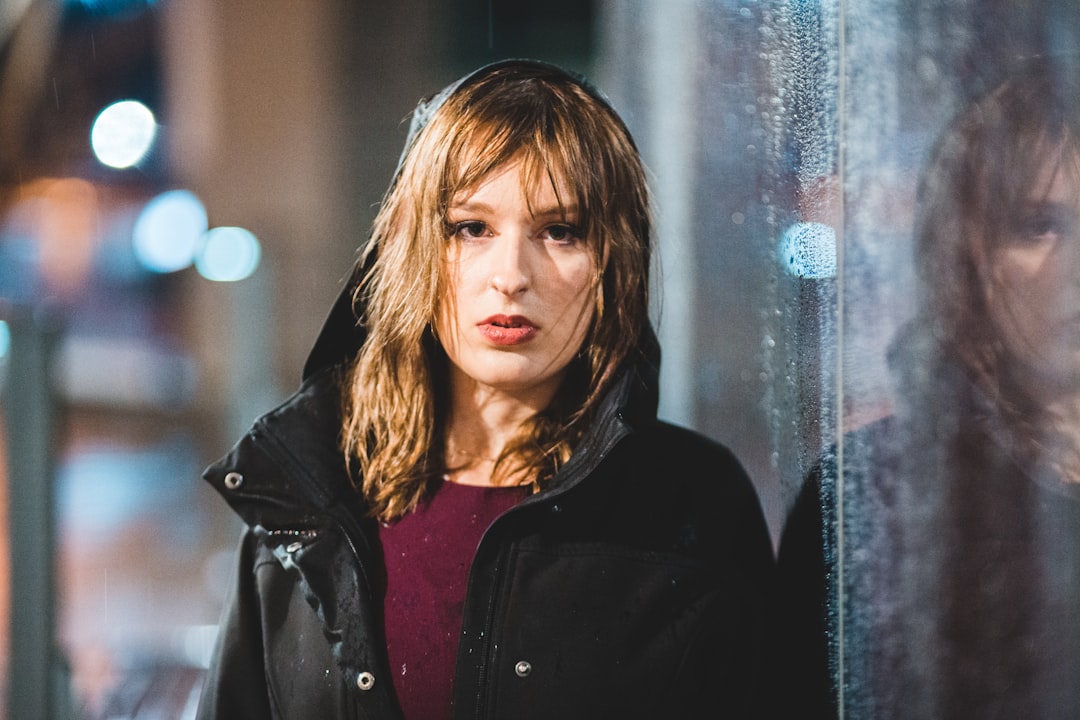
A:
469, 509
957, 593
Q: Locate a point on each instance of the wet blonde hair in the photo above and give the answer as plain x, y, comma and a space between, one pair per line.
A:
564, 134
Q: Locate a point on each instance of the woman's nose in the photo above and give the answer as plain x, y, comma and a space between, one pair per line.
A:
509, 270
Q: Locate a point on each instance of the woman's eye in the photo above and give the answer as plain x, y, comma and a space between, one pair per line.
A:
1046, 224
561, 233
1041, 226
470, 229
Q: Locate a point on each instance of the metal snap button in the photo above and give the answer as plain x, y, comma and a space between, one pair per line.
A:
234, 480
365, 681
523, 668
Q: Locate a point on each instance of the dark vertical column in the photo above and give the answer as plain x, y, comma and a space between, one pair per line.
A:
29, 417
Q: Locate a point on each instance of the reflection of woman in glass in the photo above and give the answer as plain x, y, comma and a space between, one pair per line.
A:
495, 524
956, 575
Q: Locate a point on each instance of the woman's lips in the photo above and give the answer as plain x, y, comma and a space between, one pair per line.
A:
507, 329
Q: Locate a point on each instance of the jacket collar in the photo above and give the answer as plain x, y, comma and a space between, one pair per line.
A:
287, 470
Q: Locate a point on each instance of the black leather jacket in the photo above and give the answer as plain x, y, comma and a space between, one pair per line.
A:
634, 586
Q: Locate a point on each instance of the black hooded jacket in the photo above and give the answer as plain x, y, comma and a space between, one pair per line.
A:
633, 586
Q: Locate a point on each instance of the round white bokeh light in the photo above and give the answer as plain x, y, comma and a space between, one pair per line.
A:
123, 133
168, 231
228, 254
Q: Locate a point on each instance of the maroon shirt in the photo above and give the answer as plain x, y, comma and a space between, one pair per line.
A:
428, 554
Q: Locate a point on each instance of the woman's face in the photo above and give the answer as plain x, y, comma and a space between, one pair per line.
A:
521, 290
1034, 294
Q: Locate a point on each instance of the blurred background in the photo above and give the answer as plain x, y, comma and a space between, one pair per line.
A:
184, 185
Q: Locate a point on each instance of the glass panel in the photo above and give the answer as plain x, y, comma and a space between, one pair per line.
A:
948, 506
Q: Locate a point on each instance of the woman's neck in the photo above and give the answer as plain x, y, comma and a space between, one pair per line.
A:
481, 423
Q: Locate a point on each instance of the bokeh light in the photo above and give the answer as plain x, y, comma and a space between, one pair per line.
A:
168, 231
5, 351
111, 7
808, 250
228, 254
123, 133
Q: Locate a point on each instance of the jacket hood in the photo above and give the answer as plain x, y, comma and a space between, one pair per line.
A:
342, 336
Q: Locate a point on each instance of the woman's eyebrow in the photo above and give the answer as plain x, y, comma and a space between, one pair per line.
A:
537, 212
469, 206
1045, 204
564, 211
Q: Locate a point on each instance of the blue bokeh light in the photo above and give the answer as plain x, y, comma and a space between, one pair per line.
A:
168, 231
228, 254
111, 7
808, 250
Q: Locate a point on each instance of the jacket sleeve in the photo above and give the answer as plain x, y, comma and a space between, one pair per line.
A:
235, 686
728, 669
803, 603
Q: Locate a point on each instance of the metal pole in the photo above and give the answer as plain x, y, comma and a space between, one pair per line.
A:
29, 417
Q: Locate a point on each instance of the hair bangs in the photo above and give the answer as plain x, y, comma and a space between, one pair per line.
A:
554, 158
